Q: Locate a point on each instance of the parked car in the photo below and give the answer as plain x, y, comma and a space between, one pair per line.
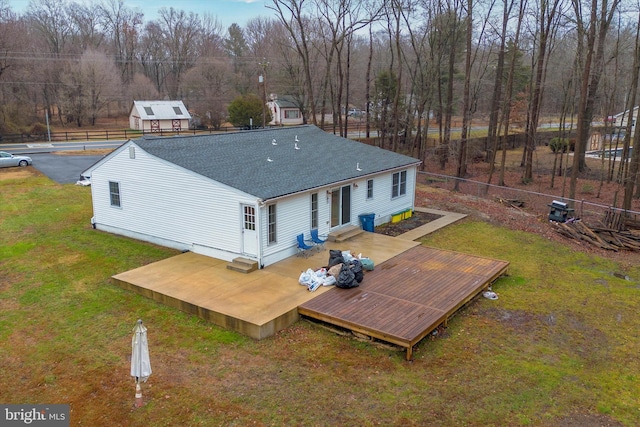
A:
8, 160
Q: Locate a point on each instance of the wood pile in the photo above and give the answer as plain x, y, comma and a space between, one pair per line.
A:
619, 220
605, 238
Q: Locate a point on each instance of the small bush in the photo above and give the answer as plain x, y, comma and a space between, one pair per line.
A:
587, 189
559, 145
38, 128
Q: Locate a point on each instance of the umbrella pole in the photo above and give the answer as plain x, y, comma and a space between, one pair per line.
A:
138, 394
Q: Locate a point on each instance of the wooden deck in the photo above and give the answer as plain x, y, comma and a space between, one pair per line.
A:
412, 290
408, 296
257, 304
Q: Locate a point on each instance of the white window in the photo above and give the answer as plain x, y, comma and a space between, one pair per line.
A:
272, 224
370, 189
291, 114
399, 185
249, 218
114, 193
314, 210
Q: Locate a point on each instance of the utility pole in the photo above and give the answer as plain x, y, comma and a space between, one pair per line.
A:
262, 78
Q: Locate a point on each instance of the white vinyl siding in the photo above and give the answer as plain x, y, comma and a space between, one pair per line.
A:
383, 205
168, 203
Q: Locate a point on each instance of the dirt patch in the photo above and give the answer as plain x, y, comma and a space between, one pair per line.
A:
417, 219
100, 152
585, 420
501, 212
16, 173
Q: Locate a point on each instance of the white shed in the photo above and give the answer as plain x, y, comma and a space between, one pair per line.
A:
284, 111
246, 193
156, 116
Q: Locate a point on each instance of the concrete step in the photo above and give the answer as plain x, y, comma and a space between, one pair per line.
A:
243, 265
344, 233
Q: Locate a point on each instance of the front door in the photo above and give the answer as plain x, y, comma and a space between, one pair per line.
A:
341, 206
249, 233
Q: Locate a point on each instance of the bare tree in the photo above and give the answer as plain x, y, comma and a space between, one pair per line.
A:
466, 103
208, 88
142, 88
50, 19
153, 56
179, 31
421, 72
291, 13
631, 178
123, 25
89, 86
550, 10
86, 29
506, 109
592, 33
496, 98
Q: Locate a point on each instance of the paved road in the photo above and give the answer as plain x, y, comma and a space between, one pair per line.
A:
44, 147
63, 169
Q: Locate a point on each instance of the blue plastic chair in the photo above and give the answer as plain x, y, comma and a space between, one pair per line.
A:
316, 239
303, 248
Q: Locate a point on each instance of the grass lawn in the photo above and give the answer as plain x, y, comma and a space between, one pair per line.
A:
561, 346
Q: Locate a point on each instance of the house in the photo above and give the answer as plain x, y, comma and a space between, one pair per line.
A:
154, 116
621, 119
246, 193
284, 111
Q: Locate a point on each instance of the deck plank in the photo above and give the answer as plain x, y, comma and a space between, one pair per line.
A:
407, 296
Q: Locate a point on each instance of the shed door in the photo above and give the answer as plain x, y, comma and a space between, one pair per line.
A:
249, 233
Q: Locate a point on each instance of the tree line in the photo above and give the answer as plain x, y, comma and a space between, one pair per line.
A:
408, 65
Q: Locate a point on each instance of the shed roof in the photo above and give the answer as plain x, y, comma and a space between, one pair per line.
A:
161, 110
266, 162
286, 101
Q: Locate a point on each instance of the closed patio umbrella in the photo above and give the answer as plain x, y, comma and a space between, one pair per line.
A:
140, 363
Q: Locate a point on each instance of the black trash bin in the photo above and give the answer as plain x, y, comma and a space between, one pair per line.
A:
367, 221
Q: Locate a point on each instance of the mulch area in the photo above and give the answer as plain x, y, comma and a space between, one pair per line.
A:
398, 228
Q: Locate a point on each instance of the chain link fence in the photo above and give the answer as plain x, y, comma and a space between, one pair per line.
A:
534, 202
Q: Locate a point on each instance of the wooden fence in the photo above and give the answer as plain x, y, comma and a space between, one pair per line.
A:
100, 135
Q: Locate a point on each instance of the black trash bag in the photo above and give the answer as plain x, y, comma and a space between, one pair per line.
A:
346, 279
356, 267
335, 257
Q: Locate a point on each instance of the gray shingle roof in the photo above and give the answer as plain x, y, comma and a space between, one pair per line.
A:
251, 163
286, 102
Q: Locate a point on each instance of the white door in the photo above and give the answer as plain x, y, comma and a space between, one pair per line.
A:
249, 233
